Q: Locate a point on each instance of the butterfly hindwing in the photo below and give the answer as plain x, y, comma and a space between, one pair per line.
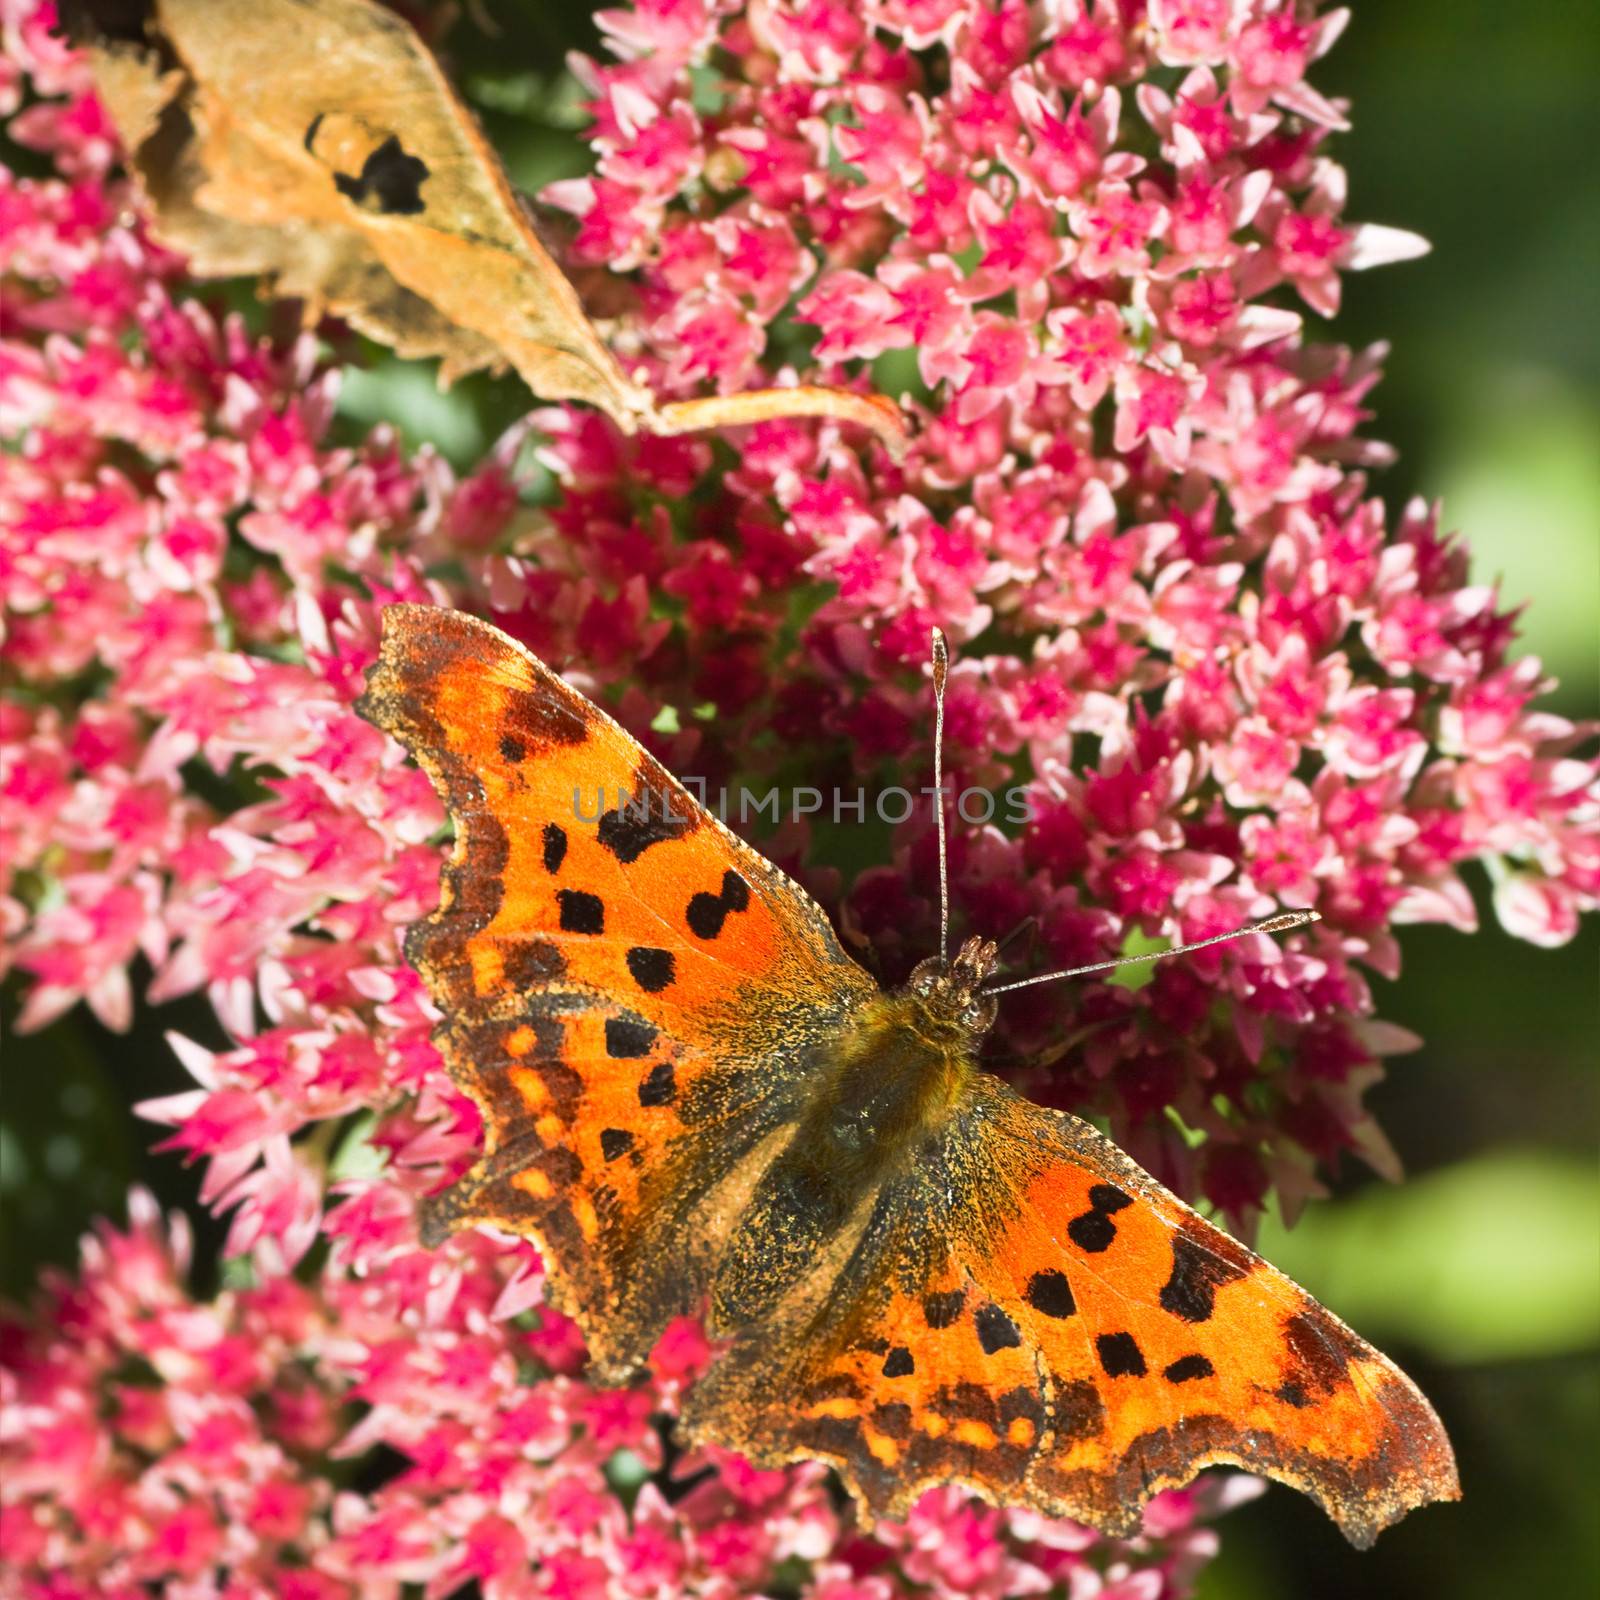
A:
630, 993
1029, 1314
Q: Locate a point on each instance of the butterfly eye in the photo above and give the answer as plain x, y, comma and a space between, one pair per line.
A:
926, 975
979, 1013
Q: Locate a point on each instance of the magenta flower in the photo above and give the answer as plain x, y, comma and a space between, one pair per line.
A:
1229, 680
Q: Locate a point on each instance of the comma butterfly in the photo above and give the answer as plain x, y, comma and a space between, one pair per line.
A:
693, 1097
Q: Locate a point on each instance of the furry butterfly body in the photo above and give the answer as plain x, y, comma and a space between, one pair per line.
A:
693, 1097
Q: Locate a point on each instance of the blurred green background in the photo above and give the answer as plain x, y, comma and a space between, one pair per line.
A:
1475, 124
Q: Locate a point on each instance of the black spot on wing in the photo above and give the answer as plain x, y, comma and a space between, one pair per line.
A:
628, 1038
941, 1309
653, 970
512, 748
1187, 1368
652, 815
659, 1087
996, 1331
1094, 1231
1050, 1293
899, 1363
581, 912
615, 1142
1293, 1394
975, 1402
706, 913
1198, 1271
555, 847
1120, 1355
390, 181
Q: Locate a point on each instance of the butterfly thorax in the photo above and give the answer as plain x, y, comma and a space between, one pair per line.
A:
903, 1060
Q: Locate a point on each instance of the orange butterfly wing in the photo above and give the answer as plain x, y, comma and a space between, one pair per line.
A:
1028, 1313
629, 990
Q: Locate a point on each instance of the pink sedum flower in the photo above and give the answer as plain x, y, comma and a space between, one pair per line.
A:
1227, 677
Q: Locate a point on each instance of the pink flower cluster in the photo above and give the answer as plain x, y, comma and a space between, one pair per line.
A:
1079, 232
1082, 234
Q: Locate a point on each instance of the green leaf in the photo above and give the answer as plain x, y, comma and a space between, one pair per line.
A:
1489, 1260
1137, 944
406, 395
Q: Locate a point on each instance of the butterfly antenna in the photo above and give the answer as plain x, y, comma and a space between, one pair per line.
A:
1279, 924
1027, 925
941, 671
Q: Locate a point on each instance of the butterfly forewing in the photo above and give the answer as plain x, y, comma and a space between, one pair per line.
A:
632, 995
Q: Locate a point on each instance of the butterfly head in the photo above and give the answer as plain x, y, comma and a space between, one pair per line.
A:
950, 992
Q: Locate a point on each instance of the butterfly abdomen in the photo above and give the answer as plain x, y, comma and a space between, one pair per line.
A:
886, 1088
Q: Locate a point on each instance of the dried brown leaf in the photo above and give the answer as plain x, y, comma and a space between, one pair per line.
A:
318, 144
